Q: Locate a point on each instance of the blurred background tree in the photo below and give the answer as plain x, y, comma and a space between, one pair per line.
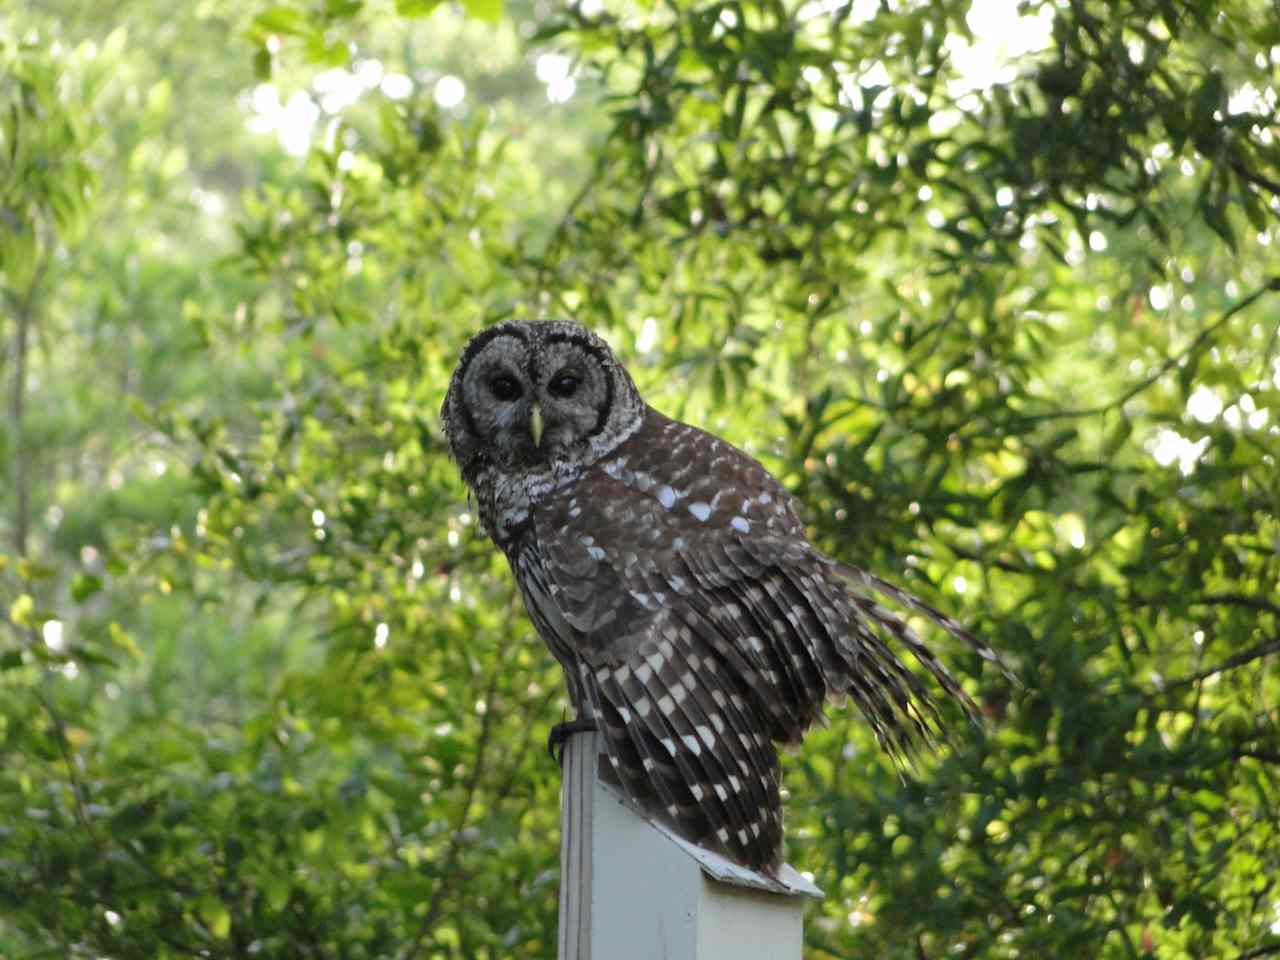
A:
989, 284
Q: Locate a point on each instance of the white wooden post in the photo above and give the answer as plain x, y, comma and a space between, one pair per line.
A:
630, 889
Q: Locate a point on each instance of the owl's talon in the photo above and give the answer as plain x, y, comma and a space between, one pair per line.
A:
559, 735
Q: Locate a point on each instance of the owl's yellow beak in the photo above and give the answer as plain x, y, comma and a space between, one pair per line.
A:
535, 425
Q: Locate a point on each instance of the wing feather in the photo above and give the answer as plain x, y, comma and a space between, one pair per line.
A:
699, 640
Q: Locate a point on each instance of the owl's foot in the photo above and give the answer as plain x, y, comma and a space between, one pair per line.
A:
560, 733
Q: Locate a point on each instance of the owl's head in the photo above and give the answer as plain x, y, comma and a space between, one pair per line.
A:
535, 395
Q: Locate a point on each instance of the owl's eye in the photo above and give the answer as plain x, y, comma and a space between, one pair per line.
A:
563, 385
505, 388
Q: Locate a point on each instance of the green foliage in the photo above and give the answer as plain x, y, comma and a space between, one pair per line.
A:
1010, 336
318, 28
46, 182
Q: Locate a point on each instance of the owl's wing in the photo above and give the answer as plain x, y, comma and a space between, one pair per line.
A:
702, 631
671, 678
704, 626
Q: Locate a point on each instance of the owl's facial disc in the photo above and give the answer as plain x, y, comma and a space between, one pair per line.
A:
537, 396
574, 395
494, 397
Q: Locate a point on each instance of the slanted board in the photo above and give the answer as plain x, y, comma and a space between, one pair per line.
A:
630, 889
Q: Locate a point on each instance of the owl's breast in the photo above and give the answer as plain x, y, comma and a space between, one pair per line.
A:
507, 501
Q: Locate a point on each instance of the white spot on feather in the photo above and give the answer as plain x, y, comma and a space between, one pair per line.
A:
697, 792
667, 705
700, 510
669, 745
666, 496
741, 524
707, 736
691, 742
721, 792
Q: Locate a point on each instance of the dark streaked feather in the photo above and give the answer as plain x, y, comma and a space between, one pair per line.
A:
702, 636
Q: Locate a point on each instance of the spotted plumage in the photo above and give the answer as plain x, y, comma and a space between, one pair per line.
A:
670, 575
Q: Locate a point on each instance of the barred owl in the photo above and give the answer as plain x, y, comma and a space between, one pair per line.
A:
670, 575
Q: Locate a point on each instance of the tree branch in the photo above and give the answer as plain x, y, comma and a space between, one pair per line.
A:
449, 867
1241, 600
1270, 285
1252, 601
77, 787
1256, 652
1255, 178
1265, 756
24, 313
